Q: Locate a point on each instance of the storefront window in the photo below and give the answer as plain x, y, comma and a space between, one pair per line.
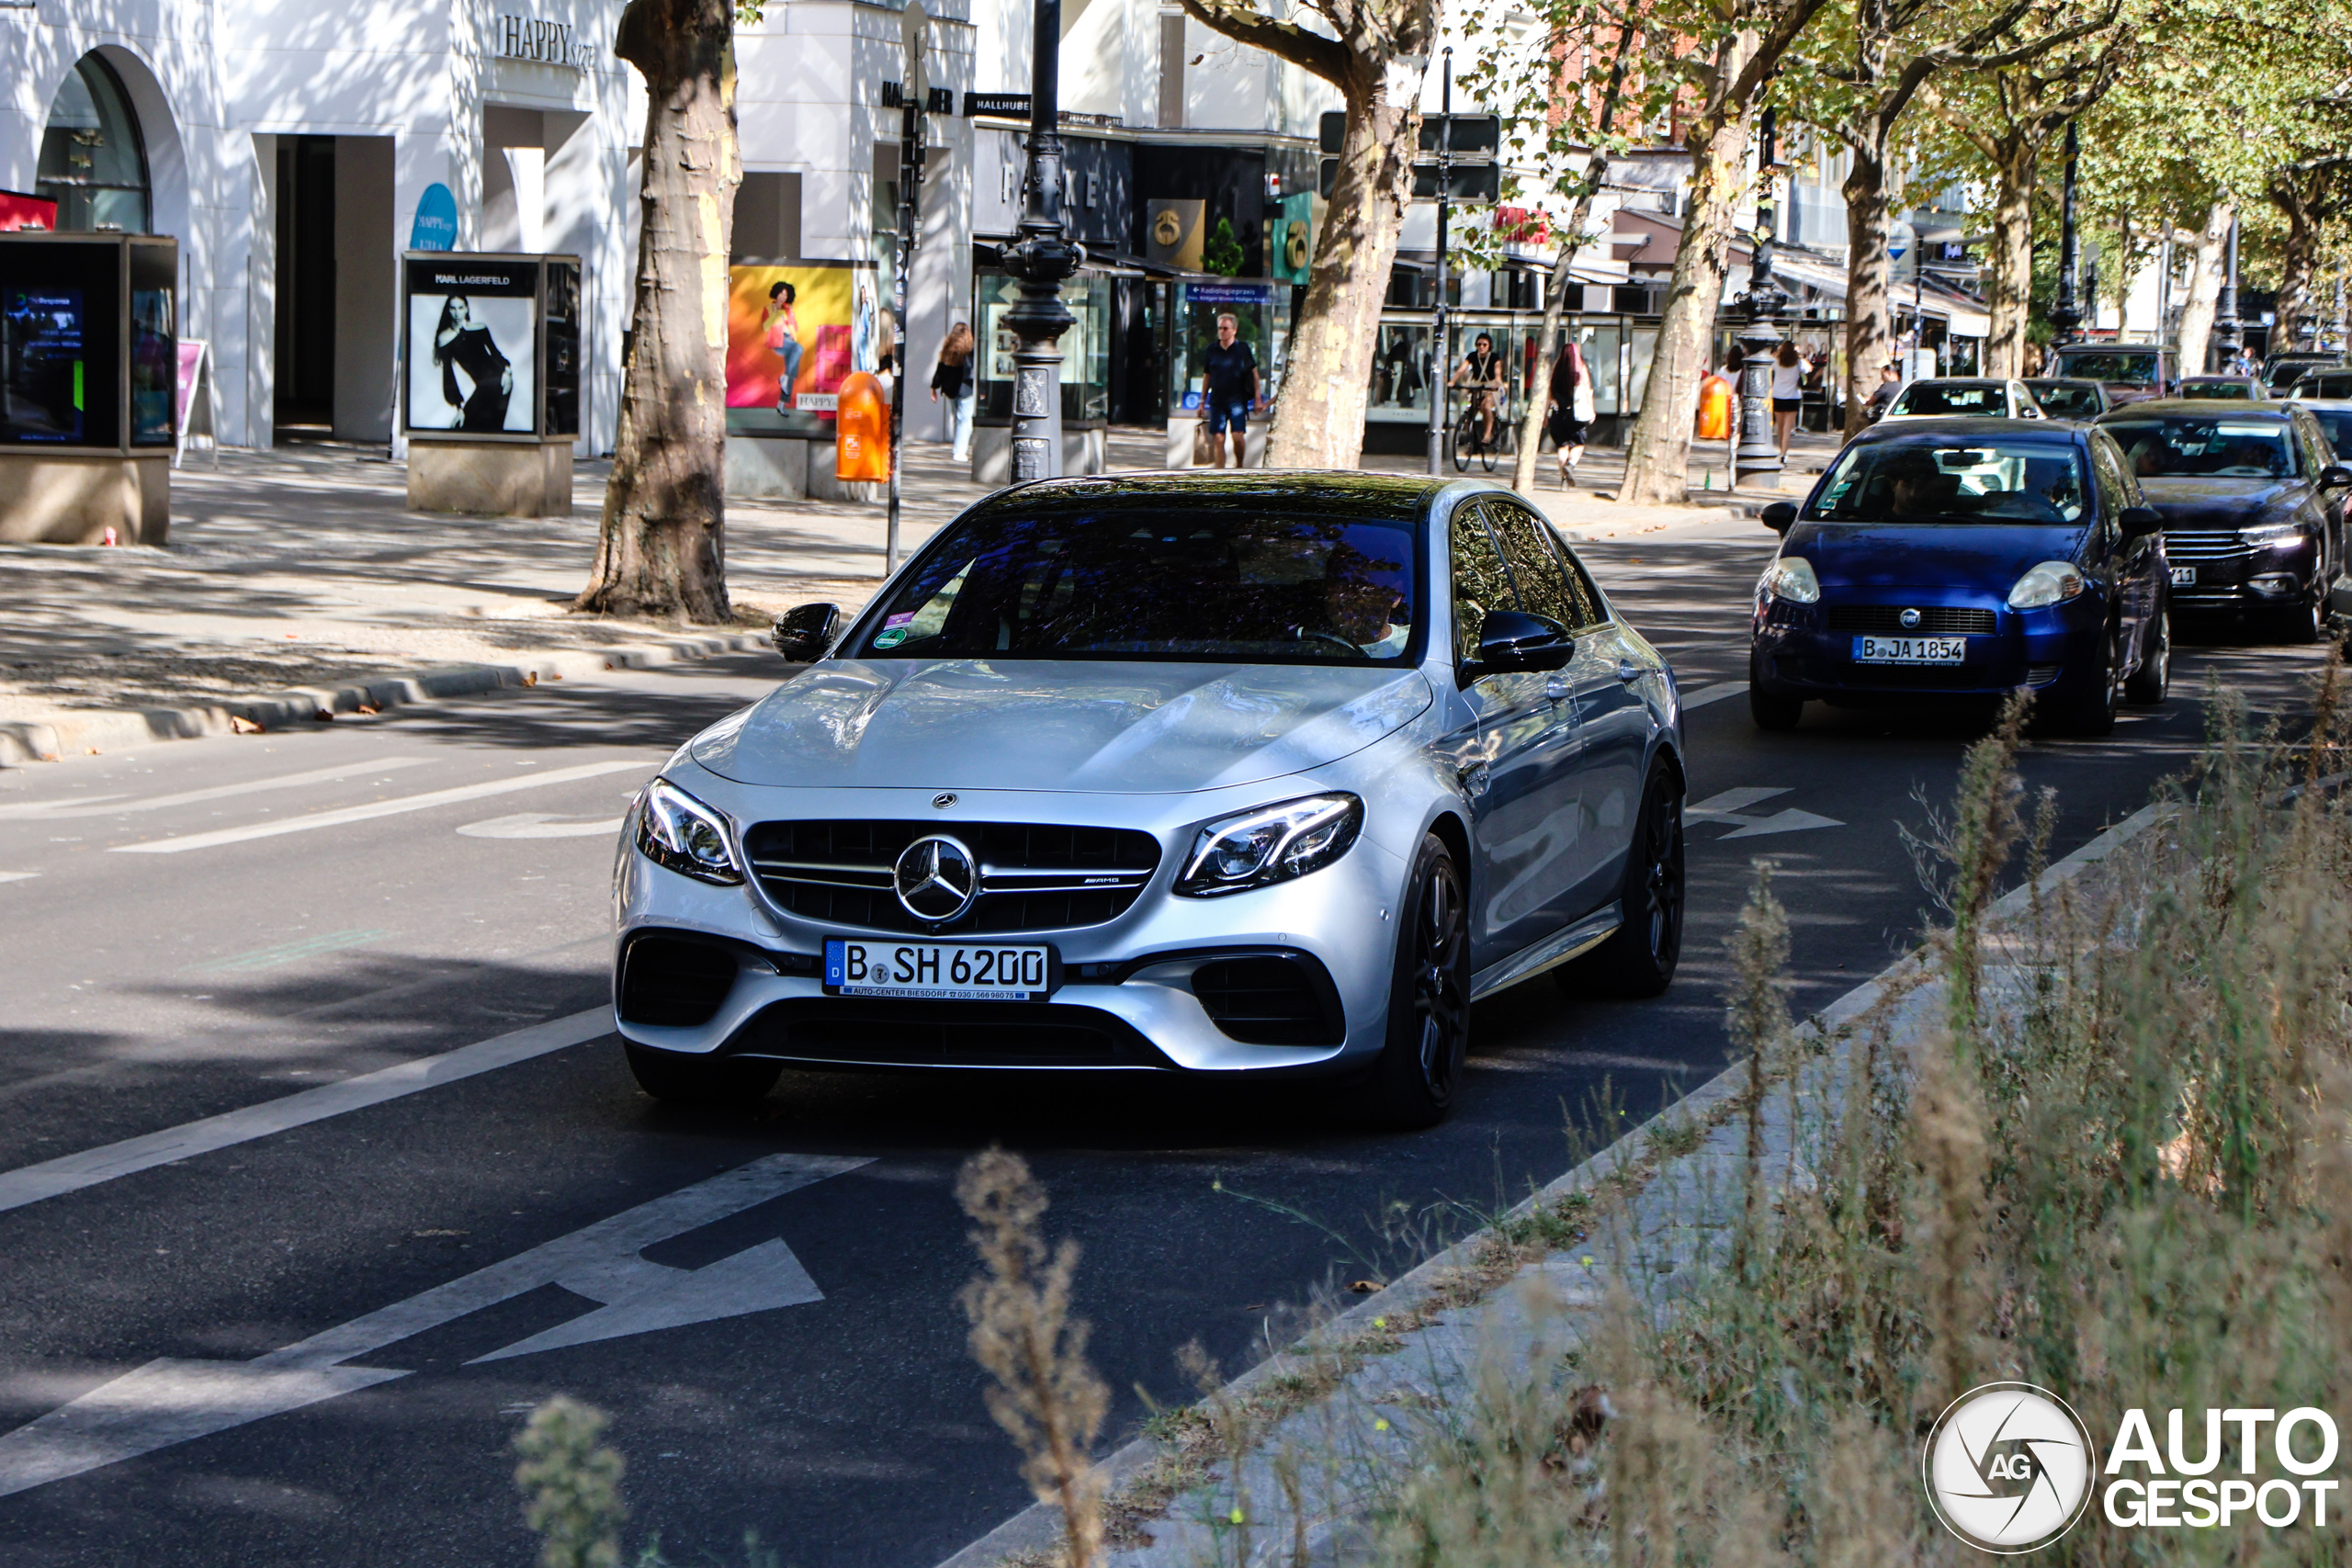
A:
1261, 313
1641, 349
1086, 347
92, 163
1600, 340
1398, 383
155, 354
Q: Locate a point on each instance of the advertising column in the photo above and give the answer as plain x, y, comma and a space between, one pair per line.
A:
489, 387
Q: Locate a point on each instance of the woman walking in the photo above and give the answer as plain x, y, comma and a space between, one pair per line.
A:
952, 377
1571, 411
1788, 394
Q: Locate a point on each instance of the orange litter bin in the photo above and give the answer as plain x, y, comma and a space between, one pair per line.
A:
862, 429
1714, 409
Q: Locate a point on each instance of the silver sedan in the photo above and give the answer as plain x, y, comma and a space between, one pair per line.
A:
1218, 773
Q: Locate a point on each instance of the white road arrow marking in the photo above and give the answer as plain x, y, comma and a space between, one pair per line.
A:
167, 1401
1732, 806
540, 825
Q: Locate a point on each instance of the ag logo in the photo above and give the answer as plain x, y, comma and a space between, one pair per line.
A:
2008, 1468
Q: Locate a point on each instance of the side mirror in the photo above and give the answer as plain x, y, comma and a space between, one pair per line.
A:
2335, 476
1512, 639
2139, 522
1779, 515
805, 631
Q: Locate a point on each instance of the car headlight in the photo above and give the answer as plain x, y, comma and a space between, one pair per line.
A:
2264, 533
1790, 577
679, 832
2051, 582
1270, 844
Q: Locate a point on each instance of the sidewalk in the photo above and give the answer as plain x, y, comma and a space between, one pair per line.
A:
296, 581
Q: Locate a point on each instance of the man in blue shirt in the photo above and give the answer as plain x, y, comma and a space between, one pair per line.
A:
1229, 389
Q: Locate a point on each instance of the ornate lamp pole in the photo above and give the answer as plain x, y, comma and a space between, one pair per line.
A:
2065, 317
1041, 258
1441, 352
2228, 332
1758, 458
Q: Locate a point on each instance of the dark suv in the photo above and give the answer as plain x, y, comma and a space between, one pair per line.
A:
2132, 372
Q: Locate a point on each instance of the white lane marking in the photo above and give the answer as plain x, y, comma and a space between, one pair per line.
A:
17, 876
1732, 806
347, 814
167, 1401
89, 806
1714, 694
285, 951
540, 825
71, 1173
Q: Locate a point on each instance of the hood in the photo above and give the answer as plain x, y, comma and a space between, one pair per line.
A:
2219, 502
1030, 723
1989, 556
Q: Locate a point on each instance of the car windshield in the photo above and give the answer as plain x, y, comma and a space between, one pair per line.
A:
2338, 422
1971, 482
2064, 400
2236, 391
2325, 384
2134, 369
1203, 585
2279, 372
1952, 397
2185, 447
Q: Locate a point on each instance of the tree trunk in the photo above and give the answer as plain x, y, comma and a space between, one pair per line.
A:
1870, 335
2297, 310
1319, 416
661, 549
2209, 261
1658, 460
2011, 253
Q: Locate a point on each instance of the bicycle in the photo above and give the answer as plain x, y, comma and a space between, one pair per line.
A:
1466, 442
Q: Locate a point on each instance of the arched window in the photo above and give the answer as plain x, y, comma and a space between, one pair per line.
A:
92, 163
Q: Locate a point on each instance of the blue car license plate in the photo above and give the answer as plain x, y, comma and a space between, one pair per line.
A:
939, 971
1910, 649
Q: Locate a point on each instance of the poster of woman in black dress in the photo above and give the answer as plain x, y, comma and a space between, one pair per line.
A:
472, 355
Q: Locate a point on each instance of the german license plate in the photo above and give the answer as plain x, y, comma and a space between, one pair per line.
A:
2184, 577
938, 971
1910, 649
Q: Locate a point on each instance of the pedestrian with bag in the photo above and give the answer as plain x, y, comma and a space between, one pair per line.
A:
952, 378
1570, 413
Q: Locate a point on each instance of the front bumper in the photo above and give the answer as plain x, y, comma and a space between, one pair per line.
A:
2233, 577
1127, 998
2052, 651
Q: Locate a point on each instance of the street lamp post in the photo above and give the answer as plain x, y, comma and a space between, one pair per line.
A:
2064, 315
2228, 332
1040, 258
1758, 457
1441, 355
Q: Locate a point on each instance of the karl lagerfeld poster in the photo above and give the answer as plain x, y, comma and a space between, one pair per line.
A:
472, 350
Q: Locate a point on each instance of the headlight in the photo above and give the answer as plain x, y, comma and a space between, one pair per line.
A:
2051, 582
675, 831
2263, 534
1270, 844
1790, 577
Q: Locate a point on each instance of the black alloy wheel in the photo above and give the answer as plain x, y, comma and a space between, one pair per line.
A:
681, 1079
2151, 681
1640, 959
1413, 1083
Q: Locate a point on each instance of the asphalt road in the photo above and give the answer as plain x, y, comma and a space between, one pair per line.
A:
310, 1330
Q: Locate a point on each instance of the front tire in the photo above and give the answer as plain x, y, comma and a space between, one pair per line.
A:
1774, 711
2092, 714
2151, 681
2306, 622
1640, 959
677, 1078
1414, 1082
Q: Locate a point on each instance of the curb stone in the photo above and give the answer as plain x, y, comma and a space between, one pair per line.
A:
73, 734
1180, 1542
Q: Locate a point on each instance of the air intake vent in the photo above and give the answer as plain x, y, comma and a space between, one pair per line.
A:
671, 982
1270, 1001
1935, 620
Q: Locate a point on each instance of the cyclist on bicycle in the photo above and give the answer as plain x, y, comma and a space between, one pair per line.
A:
1482, 368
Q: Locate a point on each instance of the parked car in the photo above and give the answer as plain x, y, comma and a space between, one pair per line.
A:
2130, 371
1963, 559
2284, 369
2223, 388
1941, 396
2334, 417
1225, 774
2253, 506
2321, 381
2069, 400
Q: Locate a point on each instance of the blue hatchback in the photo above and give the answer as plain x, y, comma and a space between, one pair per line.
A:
1965, 558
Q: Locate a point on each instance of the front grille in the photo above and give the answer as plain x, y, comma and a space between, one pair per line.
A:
1033, 878
673, 982
852, 1031
1935, 620
1855, 677
2205, 544
1269, 1001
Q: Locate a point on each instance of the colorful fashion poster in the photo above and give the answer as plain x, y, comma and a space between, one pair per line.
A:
788, 345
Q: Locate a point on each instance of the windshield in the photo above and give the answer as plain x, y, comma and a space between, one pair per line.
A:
1976, 481
1159, 585
2058, 398
2338, 422
2134, 370
2185, 447
1952, 397
2325, 384
2235, 392
2279, 372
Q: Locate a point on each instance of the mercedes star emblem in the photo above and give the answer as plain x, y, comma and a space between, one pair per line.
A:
942, 802
1910, 619
936, 878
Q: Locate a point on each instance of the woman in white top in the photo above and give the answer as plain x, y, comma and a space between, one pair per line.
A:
1788, 394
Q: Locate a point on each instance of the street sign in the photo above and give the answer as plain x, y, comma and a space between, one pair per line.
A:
1004, 106
1331, 132
1903, 250
1471, 135
1465, 181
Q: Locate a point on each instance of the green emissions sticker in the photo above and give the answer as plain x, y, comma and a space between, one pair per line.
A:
77, 384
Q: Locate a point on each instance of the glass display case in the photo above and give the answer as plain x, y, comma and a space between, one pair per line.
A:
1261, 312
1086, 348
89, 351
